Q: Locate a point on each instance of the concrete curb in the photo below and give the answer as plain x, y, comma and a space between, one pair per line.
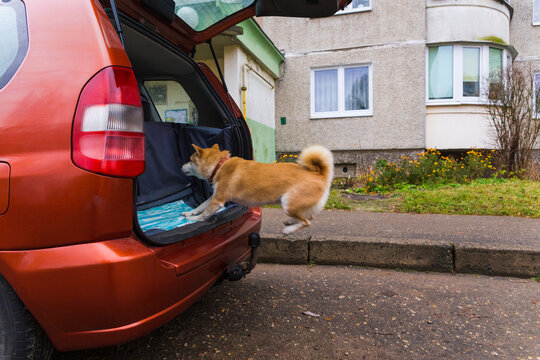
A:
491, 261
417, 254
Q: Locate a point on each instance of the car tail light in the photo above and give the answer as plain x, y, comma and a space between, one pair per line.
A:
108, 135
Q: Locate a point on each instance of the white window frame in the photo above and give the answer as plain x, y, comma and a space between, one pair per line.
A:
535, 4
349, 9
341, 112
457, 61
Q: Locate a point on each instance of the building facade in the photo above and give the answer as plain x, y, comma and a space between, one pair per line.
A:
391, 78
250, 64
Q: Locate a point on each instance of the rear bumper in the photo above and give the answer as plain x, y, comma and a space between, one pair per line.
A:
109, 292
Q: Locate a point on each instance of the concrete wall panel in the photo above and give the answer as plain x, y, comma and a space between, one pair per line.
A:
398, 102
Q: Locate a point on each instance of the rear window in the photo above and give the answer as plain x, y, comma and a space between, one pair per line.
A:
13, 38
172, 102
201, 14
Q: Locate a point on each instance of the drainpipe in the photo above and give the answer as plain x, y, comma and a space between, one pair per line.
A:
244, 88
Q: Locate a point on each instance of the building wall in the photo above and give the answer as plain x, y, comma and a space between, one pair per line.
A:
398, 102
460, 20
393, 38
388, 21
458, 127
523, 34
393, 44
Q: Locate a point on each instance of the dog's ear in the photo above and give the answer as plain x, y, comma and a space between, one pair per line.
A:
216, 146
198, 150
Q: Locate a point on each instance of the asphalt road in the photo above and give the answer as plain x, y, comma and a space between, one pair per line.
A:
363, 314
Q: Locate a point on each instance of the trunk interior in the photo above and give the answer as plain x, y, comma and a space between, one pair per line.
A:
180, 108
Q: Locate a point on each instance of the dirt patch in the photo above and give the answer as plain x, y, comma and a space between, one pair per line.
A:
365, 197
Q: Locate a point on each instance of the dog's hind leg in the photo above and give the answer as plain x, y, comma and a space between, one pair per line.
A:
291, 221
301, 223
297, 219
296, 222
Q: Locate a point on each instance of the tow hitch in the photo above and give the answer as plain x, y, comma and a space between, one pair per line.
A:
238, 271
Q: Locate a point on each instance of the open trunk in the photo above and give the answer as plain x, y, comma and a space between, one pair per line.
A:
181, 107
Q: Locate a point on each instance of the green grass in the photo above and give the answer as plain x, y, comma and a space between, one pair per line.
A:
337, 202
499, 197
481, 197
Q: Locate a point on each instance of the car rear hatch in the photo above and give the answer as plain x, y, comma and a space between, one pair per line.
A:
184, 103
187, 23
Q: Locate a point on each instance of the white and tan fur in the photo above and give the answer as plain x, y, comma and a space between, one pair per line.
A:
302, 188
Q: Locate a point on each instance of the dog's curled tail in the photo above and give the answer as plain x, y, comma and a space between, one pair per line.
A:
319, 159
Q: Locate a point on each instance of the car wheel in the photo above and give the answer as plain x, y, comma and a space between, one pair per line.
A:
20, 335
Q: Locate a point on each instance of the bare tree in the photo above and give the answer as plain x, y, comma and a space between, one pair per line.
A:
513, 109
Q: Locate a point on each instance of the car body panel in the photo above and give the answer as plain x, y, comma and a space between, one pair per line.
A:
35, 133
104, 293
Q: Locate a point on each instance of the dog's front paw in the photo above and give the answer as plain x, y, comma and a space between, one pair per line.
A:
187, 213
195, 218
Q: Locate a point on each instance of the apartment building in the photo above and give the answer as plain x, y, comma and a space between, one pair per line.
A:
391, 78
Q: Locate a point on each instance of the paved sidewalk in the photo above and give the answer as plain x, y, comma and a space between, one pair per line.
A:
470, 244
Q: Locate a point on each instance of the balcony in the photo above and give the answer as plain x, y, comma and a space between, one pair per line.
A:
468, 20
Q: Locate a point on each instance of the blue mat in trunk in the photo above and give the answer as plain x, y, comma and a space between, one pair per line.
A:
164, 217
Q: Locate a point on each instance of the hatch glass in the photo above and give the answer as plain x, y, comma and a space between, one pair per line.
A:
201, 14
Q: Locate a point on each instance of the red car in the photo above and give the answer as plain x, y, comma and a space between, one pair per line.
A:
93, 250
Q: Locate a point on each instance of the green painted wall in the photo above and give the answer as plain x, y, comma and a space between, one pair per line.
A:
264, 141
256, 41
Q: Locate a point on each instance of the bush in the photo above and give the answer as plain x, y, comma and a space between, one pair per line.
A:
429, 169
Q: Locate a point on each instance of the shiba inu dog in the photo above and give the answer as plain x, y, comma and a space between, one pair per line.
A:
302, 188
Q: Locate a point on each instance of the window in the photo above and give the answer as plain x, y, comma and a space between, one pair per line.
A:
341, 91
536, 12
495, 60
460, 73
356, 6
441, 72
471, 71
536, 94
13, 39
172, 102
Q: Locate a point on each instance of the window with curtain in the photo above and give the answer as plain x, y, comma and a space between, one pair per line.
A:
341, 91
460, 72
471, 71
536, 12
326, 90
441, 72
